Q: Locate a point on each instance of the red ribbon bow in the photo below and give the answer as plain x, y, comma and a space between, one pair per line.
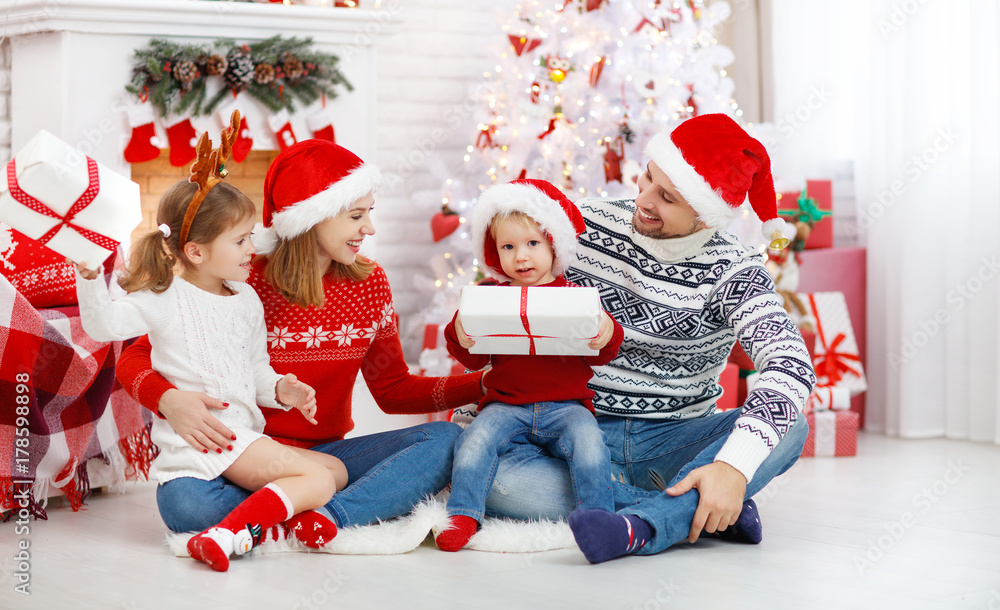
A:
832, 364
524, 322
93, 186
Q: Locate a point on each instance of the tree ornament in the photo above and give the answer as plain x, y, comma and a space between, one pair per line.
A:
444, 223
558, 68
144, 145
240, 70
613, 157
596, 69
186, 71
263, 74
523, 44
216, 65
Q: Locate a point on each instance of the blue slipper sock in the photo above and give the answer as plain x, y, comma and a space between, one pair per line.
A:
602, 535
747, 527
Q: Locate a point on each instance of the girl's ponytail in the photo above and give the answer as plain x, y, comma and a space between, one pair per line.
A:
150, 265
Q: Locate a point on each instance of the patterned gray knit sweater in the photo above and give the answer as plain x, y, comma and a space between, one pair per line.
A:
683, 303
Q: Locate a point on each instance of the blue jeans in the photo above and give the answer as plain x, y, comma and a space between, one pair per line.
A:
388, 474
532, 485
567, 429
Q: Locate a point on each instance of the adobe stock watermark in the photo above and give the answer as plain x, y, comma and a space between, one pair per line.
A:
665, 592
956, 299
914, 168
321, 595
898, 17
922, 501
819, 96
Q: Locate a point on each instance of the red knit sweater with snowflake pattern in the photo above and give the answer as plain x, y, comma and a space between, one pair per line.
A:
326, 347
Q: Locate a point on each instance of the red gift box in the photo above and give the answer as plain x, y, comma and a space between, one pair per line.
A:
816, 205
832, 434
729, 380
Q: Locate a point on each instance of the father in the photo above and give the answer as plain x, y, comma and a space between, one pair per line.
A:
684, 290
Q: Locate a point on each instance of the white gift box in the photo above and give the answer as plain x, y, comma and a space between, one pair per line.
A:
836, 357
512, 319
68, 201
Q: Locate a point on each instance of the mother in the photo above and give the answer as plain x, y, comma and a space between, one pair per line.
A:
329, 314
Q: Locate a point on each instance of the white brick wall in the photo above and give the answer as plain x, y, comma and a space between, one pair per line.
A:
426, 69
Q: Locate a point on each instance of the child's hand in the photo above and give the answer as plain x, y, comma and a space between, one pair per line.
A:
463, 339
290, 391
605, 333
88, 274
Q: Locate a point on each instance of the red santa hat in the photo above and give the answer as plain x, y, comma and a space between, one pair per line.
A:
555, 214
307, 183
717, 166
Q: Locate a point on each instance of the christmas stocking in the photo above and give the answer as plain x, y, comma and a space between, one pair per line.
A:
244, 140
144, 145
321, 126
183, 138
281, 126
242, 529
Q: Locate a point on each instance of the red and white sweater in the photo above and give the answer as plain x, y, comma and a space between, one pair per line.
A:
523, 380
326, 347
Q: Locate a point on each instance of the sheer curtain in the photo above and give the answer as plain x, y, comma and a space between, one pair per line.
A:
922, 125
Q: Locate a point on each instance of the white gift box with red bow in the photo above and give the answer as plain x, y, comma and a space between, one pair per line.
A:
836, 357
539, 320
67, 201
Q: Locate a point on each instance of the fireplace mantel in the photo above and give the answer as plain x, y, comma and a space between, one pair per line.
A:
70, 61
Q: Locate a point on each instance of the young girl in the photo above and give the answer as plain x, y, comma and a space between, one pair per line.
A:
206, 327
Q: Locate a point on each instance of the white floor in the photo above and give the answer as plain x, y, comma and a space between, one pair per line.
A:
906, 524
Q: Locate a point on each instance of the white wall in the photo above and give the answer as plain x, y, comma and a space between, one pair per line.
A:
427, 71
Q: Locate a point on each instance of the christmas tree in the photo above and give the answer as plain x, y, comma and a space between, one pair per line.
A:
578, 89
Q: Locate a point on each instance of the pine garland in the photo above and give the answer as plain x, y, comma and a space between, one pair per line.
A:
276, 72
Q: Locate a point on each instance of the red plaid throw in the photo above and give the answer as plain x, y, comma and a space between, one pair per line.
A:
75, 408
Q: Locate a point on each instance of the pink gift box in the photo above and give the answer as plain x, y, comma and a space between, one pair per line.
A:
831, 434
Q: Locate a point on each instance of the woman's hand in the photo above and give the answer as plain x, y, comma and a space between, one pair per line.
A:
188, 414
463, 339
290, 391
87, 274
604, 334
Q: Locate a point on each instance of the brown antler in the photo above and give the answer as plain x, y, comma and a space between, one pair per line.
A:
208, 169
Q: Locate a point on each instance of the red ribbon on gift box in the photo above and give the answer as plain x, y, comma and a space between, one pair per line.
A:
93, 187
832, 364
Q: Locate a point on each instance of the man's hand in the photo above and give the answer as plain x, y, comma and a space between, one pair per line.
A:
604, 334
721, 489
463, 339
294, 393
188, 414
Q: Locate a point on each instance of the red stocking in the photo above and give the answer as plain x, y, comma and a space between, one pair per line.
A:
321, 126
183, 139
281, 126
144, 145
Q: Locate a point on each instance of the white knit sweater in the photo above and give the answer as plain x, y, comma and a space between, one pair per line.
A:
683, 302
201, 342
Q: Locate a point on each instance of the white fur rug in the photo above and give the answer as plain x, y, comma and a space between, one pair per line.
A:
403, 534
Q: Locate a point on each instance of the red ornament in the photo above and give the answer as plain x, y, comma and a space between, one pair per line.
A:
536, 91
485, 138
613, 161
596, 69
523, 43
444, 223
552, 127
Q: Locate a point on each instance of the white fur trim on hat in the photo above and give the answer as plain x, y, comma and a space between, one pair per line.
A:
712, 209
296, 219
540, 207
264, 240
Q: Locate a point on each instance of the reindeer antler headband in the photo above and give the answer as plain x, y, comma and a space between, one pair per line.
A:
208, 169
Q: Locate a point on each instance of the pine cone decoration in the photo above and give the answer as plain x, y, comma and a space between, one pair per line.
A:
240, 70
293, 68
263, 74
216, 65
185, 71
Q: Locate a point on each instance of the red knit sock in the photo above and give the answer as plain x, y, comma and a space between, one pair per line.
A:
241, 530
312, 528
460, 529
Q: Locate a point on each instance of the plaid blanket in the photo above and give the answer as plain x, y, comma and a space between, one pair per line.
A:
60, 405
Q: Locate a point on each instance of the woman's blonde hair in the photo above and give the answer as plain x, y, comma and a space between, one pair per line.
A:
293, 270
154, 257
